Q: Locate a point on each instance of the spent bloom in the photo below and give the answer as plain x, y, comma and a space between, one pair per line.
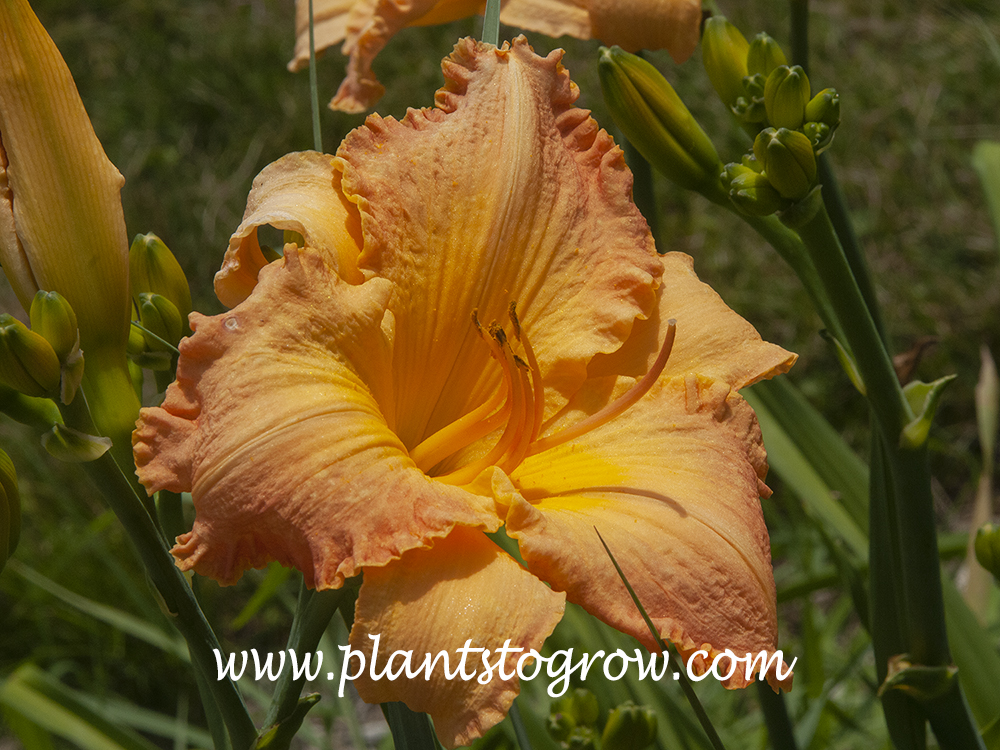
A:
364, 27
476, 331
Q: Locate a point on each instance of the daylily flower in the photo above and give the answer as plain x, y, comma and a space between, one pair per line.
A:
61, 222
366, 26
477, 332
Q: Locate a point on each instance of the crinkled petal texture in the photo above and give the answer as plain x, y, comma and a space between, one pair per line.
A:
505, 192
672, 484
366, 26
301, 193
462, 592
275, 426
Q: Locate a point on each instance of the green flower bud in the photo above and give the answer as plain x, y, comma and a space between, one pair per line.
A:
655, 120
752, 192
750, 162
629, 727
154, 269
136, 342
582, 738
825, 108
750, 107
764, 55
53, 318
724, 51
788, 161
35, 412
786, 94
10, 509
27, 361
580, 706
160, 317
560, 726
987, 546
819, 135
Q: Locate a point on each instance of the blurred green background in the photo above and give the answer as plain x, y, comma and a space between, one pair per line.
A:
192, 98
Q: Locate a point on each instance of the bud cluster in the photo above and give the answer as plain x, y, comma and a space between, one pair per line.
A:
45, 360
573, 724
161, 299
774, 102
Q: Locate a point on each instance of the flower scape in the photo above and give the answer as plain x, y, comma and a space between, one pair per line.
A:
474, 331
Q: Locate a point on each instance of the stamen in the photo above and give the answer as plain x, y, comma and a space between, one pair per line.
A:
501, 450
612, 410
464, 431
536, 374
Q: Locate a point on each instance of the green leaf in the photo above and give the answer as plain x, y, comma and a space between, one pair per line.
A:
41, 699
116, 618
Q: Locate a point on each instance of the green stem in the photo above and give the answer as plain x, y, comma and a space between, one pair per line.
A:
884, 392
779, 725
491, 23
794, 252
313, 83
904, 535
312, 615
168, 581
889, 634
836, 207
170, 513
176, 593
520, 732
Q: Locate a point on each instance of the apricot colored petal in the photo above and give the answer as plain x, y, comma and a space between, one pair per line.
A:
673, 25
369, 27
673, 486
463, 589
329, 27
275, 426
712, 341
505, 192
300, 192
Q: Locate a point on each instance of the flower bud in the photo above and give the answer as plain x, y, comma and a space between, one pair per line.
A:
35, 412
629, 727
752, 192
724, 51
987, 546
788, 161
160, 317
764, 55
10, 509
136, 342
750, 107
786, 94
819, 135
27, 361
154, 269
825, 108
655, 120
53, 318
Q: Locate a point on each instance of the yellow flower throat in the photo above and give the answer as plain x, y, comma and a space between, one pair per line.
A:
517, 405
